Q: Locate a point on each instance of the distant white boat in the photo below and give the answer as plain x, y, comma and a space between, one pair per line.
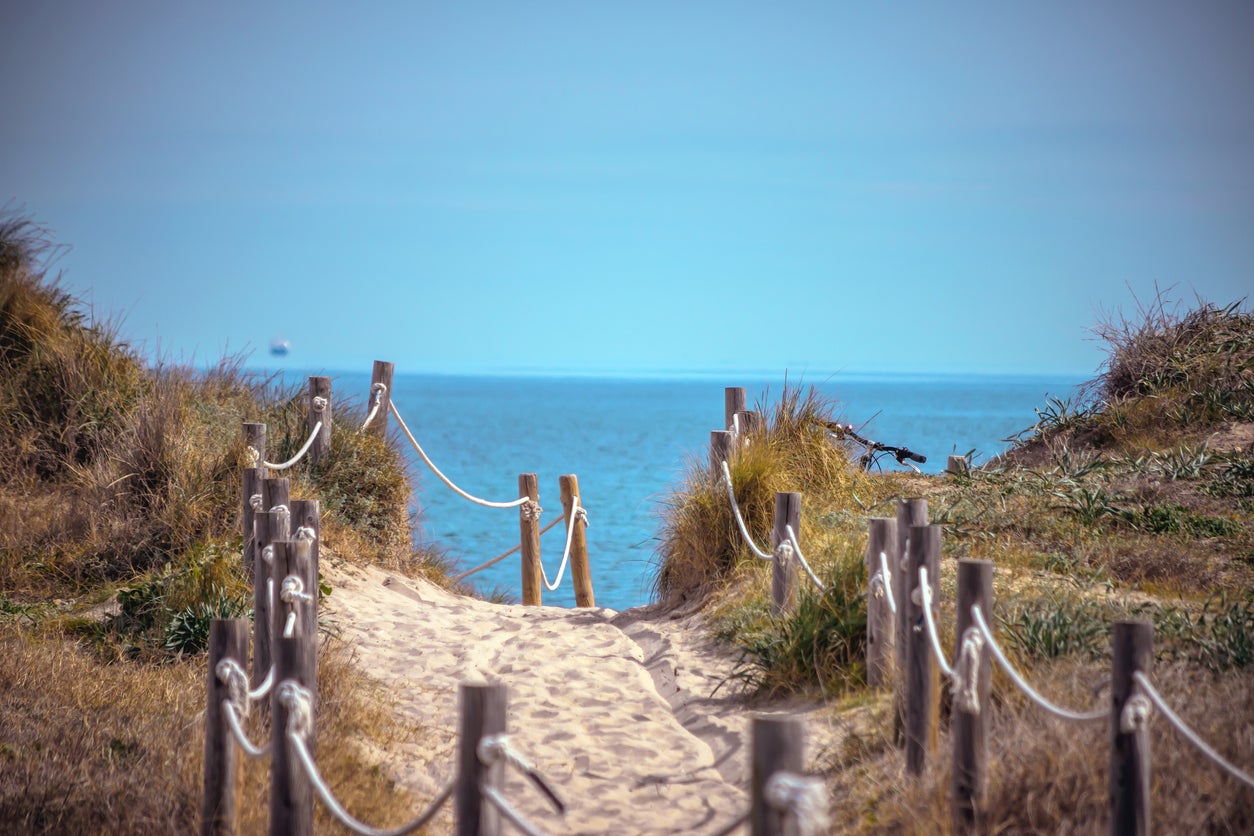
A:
280, 348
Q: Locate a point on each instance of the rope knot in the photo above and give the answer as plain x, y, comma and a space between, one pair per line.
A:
530, 510
377, 390
256, 503
293, 590
784, 551
802, 798
319, 403
1136, 713
267, 554
233, 677
252, 456
877, 586
966, 679
299, 704
581, 513
306, 532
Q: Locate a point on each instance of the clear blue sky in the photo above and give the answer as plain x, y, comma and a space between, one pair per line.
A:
588, 186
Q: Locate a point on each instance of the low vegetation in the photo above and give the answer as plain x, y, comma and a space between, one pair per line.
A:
1133, 499
120, 541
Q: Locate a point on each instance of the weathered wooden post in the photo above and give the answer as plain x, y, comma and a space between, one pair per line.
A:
381, 374
251, 482
580, 572
296, 660
483, 713
968, 722
922, 672
529, 538
957, 466
320, 411
733, 402
219, 816
751, 424
778, 745
270, 527
1133, 650
881, 622
784, 563
255, 444
910, 512
720, 451
306, 524
276, 491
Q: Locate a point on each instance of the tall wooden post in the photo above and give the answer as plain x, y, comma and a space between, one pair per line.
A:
270, 527
381, 373
1133, 650
320, 410
251, 486
910, 512
733, 402
483, 713
881, 622
922, 672
968, 723
219, 816
307, 514
751, 424
255, 438
778, 745
529, 538
784, 570
276, 491
580, 571
720, 451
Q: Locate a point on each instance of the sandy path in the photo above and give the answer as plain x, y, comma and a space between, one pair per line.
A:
615, 709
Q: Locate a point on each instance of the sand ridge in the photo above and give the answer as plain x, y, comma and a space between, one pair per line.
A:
619, 711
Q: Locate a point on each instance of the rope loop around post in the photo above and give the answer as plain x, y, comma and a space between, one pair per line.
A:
802, 798
966, 678
305, 532
801, 558
1136, 712
530, 510
298, 700
496, 747
252, 456
257, 503
231, 675
319, 403
377, 391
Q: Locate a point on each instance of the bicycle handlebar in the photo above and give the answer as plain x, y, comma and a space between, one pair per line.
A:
899, 453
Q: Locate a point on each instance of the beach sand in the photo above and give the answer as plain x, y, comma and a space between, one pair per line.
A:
619, 711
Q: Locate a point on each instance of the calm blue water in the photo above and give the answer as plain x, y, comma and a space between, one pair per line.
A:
629, 441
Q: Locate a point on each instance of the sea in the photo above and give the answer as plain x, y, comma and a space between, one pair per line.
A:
630, 440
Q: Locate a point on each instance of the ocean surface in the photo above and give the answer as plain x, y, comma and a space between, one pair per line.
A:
630, 440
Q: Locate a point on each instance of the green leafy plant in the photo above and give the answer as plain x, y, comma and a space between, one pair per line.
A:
1052, 628
188, 630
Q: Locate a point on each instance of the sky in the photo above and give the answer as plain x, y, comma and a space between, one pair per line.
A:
643, 187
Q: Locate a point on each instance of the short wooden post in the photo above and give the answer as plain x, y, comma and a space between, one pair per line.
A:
751, 424
255, 440
778, 745
733, 402
881, 623
307, 514
251, 486
483, 713
922, 672
320, 411
580, 571
720, 451
381, 374
270, 527
910, 512
228, 639
784, 566
529, 538
968, 723
1133, 650
957, 466
276, 491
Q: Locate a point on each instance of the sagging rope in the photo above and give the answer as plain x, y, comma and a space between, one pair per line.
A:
792, 539
577, 514
298, 702
740, 521
964, 673
377, 391
418, 447
496, 747
991, 642
924, 600
501, 557
1187, 733
881, 584
254, 458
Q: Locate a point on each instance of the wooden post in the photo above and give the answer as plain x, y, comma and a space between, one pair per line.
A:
529, 538
270, 527
922, 672
881, 623
320, 410
276, 491
1133, 650
720, 451
251, 486
291, 795
910, 512
228, 639
751, 424
784, 571
778, 745
307, 513
733, 402
957, 466
382, 373
580, 572
483, 713
968, 725
255, 437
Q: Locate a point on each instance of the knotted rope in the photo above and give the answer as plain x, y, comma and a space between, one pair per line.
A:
802, 798
966, 678
740, 521
880, 584
377, 391
418, 447
1147, 688
577, 514
292, 593
792, 539
236, 705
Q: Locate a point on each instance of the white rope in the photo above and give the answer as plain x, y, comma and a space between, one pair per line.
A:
744, 532
501, 557
445, 479
265, 686
237, 731
577, 514
511, 815
256, 503
966, 678
802, 798
925, 603
292, 593
231, 674
376, 398
1063, 713
303, 450
886, 582
1143, 681
496, 747
792, 537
